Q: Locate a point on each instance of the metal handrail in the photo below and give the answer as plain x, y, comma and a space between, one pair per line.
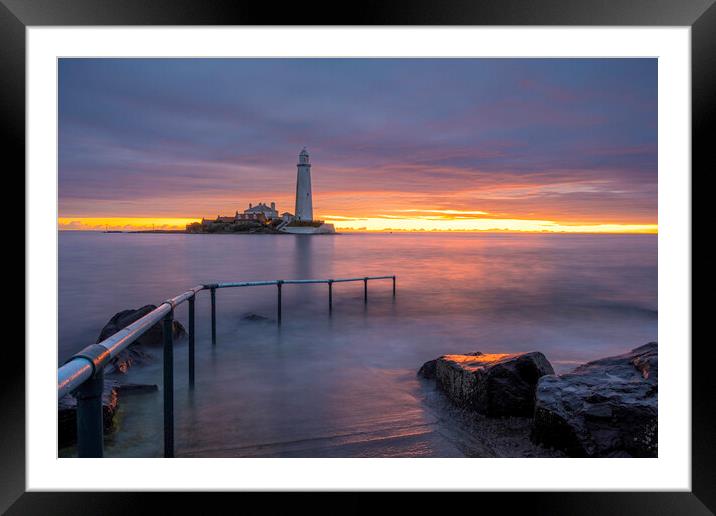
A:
84, 371
84, 364
300, 281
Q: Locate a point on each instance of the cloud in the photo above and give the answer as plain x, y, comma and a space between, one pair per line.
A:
562, 139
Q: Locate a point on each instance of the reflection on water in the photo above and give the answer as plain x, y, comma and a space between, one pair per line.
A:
345, 385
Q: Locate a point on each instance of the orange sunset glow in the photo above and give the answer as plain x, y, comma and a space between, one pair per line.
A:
382, 224
563, 146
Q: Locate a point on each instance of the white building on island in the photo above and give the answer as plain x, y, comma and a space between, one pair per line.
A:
268, 212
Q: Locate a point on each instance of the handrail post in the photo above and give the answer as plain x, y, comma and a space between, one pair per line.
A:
213, 316
90, 421
330, 296
365, 290
393, 285
191, 341
168, 385
279, 284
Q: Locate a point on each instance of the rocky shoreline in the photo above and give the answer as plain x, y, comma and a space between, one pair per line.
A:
604, 408
136, 353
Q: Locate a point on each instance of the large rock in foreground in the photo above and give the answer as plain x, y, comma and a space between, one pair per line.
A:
604, 408
135, 353
501, 384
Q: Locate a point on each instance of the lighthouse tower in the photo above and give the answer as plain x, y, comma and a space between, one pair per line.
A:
304, 197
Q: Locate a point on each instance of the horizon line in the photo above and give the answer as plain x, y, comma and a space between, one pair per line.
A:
377, 225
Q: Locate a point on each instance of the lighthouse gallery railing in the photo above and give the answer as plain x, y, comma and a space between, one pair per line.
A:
83, 373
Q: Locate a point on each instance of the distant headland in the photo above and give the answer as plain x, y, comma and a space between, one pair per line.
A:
264, 218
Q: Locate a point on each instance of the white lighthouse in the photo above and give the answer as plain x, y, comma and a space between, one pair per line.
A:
304, 197
303, 223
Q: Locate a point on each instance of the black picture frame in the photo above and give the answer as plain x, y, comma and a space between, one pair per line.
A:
700, 15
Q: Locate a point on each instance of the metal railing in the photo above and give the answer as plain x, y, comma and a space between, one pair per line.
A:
83, 373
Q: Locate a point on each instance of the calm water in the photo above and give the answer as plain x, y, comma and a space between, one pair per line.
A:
345, 385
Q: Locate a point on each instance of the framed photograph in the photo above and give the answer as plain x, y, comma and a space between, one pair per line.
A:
418, 248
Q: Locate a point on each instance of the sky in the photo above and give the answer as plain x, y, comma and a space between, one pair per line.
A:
395, 144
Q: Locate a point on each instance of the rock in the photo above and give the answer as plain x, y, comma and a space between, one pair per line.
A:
67, 414
604, 408
136, 388
152, 337
134, 354
131, 355
255, 318
428, 369
500, 384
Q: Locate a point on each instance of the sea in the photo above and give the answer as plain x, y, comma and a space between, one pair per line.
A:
344, 384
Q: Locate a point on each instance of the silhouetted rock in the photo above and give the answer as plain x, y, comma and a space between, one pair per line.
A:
492, 384
135, 353
604, 408
136, 388
252, 317
67, 414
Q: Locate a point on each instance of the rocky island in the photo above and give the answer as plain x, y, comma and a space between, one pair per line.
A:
264, 218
